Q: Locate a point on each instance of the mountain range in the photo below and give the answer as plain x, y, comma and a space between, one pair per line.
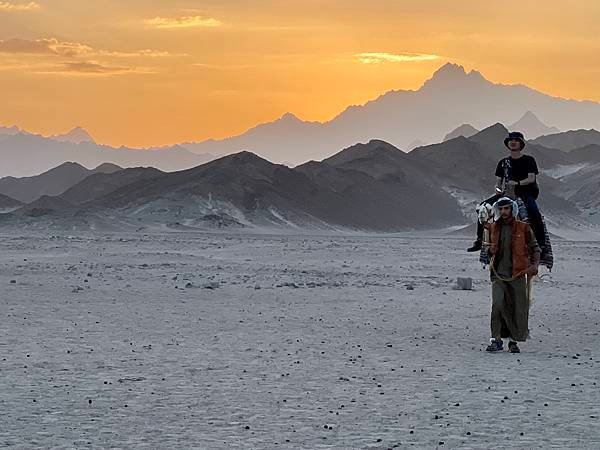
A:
373, 186
465, 130
532, 127
529, 125
76, 136
53, 182
404, 118
11, 131
25, 154
8, 204
570, 140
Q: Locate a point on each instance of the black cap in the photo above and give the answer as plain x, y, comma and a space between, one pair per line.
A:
515, 135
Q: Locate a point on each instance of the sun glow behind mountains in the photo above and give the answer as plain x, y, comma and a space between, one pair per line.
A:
159, 72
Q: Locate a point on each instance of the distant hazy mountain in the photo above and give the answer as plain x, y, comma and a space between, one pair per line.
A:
107, 168
76, 136
404, 118
10, 131
570, 140
465, 130
27, 155
532, 127
286, 139
451, 97
53, 182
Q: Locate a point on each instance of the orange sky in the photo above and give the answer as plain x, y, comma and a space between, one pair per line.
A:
154, 72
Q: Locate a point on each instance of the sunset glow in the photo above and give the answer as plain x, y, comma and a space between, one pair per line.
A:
145, 73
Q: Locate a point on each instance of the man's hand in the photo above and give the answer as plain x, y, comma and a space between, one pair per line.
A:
532, 270
512, 183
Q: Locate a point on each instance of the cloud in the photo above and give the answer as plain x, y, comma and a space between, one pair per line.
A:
139, 54
8, 6
88, 68
183, 22
14, 65
53, 46
51, 56
67, 68
383, 57
93, 68
44, 46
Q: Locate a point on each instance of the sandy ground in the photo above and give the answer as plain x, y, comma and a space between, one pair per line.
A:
286, 342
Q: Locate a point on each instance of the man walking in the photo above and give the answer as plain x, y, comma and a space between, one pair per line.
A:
515, 259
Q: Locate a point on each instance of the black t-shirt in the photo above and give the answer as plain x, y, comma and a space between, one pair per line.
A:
517, 170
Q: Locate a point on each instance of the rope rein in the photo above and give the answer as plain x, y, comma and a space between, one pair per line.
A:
529, 280
513, 278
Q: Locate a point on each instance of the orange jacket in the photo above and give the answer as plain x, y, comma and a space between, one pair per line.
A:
520, 244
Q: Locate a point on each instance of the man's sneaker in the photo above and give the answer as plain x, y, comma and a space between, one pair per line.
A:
476, 246
513, 347
496, 345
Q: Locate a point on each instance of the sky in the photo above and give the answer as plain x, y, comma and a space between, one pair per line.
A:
155, 72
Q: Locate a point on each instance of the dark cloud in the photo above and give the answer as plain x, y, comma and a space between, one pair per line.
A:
90, 68
44, 47
25, 46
